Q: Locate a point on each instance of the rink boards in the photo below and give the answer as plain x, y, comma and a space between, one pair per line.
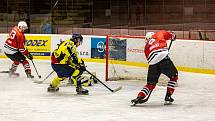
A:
188, 55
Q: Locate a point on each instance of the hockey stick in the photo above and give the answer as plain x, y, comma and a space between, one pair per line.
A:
173, 39
40, 82
4, 71
9, 72
112, 90
35, 69
170, 44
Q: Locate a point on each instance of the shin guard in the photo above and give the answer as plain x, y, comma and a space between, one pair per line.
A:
171, 85
145, 91
56, 81
14, 67
26, 66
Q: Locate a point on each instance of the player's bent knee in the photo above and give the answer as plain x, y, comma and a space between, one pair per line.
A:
76, 73
150, 86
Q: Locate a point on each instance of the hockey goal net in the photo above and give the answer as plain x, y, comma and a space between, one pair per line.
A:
125, 59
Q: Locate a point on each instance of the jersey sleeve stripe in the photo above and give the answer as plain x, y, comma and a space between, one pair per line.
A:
152, 55
10, 47
22, 50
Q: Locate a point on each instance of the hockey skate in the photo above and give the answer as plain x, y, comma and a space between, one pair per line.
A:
12, 73
29, 75
81, 91
138, 100
52, 89
168, 99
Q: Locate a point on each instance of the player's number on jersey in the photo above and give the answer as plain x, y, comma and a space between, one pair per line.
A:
12, 34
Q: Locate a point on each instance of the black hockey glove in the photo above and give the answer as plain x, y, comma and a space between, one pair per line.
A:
82, 62
29, 56
74, 58
81, 66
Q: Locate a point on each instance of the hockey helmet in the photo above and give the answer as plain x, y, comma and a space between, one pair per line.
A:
23, 25
76, 37
149, 35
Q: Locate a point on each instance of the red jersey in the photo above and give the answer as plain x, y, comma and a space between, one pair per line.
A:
15, 42
156, 49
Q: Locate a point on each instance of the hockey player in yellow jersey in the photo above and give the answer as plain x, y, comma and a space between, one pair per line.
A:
66, 63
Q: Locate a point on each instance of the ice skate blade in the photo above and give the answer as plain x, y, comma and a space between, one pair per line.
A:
52, 90
167, 103
14, 75
133, 104
82, 94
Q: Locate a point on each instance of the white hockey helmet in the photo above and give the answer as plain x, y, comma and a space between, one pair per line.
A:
23, 25
149, 35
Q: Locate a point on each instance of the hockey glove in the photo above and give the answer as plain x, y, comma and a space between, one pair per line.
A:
29, 56
173, 36
81, 66
82, 62
74, 58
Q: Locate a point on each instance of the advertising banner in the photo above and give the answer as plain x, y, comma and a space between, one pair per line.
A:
3, 38
98, 47
117, 49
38, 45
135, 50
84, 50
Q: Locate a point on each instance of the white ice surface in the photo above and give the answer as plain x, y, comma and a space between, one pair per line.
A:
23, 100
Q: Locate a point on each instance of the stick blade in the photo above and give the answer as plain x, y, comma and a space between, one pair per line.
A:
117, 89
38, 82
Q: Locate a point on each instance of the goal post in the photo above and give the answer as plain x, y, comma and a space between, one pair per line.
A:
125, 59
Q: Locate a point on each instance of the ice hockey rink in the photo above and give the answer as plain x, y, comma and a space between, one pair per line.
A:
23, 100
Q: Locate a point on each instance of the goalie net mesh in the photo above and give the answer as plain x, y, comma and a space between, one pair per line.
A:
125, 59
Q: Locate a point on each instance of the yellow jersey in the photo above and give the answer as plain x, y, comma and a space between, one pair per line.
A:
66, 54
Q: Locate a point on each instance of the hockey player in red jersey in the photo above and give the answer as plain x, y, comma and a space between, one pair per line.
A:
15, 50
156, 52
